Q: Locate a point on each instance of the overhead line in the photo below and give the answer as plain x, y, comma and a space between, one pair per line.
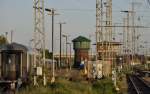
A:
85, 10
127, 26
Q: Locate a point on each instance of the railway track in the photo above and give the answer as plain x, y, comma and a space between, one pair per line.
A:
138, 85
7, 87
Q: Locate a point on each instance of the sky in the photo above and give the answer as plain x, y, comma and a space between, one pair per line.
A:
79, 15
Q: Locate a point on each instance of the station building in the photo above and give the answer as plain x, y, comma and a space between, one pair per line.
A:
107, 55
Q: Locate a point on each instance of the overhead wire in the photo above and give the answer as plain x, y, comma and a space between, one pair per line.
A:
86, 10
92, 10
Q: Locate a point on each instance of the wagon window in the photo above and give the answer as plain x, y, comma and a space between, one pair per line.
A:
9, 60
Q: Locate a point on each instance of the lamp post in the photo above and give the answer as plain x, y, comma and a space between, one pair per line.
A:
70, 56
60, 41
146, 46
66, 47
128, 37
52, 13
11, 36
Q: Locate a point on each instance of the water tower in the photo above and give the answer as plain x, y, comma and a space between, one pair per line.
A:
81, 46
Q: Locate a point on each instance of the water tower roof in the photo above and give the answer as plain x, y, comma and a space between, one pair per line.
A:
81, 39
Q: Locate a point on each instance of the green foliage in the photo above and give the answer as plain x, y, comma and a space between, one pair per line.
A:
63, 86
104, 86
3, 40
48, 55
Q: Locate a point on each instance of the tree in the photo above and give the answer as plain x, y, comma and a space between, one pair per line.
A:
3, 40
48, 54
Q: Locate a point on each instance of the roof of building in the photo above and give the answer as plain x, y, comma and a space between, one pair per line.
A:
81, 39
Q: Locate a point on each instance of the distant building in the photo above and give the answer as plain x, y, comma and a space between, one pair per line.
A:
105, 51
63, 57
108, 55
81, 46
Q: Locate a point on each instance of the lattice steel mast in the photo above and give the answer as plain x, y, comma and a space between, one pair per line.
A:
98, 20
39, 37
109, 28
99, 33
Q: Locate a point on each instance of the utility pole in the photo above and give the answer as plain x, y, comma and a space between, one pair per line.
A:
128, 36
133, 34
133, 30
11, 36
53, 74
52, 13
63, 53
60, 42
108, 5
124, 39
39, 38
138, 37
70, 56
66, 50
145, 54
128, 39
108, 32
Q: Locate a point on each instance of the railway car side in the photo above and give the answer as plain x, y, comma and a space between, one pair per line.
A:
13, 62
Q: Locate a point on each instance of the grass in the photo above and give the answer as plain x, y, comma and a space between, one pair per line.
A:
104, 86
63, 86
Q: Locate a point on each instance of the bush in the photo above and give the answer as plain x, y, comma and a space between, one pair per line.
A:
63, 86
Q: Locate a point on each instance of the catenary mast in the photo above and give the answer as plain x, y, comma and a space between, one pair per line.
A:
39, 38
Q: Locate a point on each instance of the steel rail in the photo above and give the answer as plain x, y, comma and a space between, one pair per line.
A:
135, 87
139, 85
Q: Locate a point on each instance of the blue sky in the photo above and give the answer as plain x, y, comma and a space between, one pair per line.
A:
17, 15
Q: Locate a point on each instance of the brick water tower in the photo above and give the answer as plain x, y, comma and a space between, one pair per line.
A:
81, 46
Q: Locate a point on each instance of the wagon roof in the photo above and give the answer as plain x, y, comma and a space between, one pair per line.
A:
13, 46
